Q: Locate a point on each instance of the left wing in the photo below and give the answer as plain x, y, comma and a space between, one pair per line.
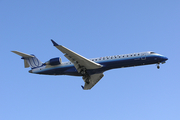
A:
92, 81
79, 61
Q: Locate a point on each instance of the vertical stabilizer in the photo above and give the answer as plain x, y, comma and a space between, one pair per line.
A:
33, 62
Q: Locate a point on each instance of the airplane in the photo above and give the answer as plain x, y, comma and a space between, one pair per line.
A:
91, 70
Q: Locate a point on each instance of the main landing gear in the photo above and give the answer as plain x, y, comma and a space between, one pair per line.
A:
86, 78
85, 75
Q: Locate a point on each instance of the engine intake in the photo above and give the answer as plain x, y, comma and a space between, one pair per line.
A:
54, 61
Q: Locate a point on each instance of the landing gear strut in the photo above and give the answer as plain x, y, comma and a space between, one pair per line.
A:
82, 70
86, 78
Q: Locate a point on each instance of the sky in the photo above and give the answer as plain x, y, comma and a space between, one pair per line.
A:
93, 28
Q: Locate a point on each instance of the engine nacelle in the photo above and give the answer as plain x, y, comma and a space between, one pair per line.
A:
54, 61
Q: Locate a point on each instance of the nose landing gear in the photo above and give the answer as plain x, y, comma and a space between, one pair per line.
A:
158, 66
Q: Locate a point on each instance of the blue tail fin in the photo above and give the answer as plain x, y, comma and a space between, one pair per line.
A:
29, 60
33, 62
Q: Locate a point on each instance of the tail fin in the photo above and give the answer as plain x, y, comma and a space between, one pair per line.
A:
29, 60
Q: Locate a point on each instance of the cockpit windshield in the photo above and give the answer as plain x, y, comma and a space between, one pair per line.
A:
153, 53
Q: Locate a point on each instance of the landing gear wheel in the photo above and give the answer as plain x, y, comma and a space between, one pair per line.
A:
83, 72
158, 67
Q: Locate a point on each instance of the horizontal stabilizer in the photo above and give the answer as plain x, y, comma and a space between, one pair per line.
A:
22, 54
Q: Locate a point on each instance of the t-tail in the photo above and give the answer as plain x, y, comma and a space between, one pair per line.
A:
29, 60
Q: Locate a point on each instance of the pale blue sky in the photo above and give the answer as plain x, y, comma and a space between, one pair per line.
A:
93, 29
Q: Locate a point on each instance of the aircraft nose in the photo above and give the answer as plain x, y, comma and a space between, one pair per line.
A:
165, 58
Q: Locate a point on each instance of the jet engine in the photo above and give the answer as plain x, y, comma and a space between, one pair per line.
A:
54, 61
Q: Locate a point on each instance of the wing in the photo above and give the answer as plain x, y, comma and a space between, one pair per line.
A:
92, 81
79, 61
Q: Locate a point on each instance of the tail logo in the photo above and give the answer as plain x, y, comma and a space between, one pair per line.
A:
34, 62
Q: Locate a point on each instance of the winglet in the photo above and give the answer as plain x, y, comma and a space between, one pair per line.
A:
54, 43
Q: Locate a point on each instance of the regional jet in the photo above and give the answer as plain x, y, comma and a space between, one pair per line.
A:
91, 70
